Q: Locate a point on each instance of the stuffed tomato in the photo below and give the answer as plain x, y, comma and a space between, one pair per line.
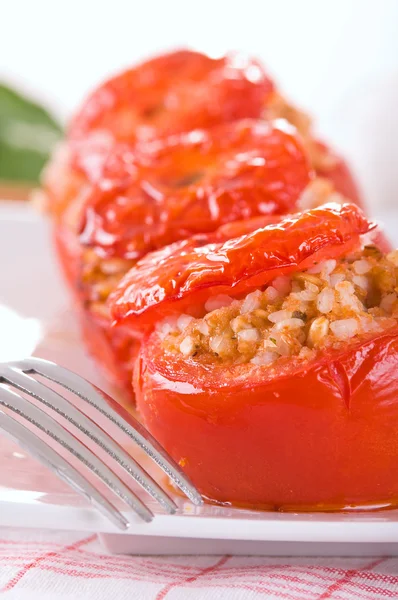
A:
272, 377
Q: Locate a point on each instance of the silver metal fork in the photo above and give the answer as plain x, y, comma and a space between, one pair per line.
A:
19, 375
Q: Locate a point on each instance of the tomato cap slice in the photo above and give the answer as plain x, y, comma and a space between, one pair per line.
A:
170, 93
182, 276
150, 196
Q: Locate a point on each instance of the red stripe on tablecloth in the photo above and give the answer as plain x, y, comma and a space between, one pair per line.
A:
120, 562
163, 593
14, 581
167, 567
96, 576
99, 570
92, 569
84, 574
142, 561
273, 571
337, 585
128, 567
133, 565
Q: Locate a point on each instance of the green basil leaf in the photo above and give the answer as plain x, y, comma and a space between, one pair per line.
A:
27, 135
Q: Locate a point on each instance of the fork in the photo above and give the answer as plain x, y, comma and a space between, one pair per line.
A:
19, 375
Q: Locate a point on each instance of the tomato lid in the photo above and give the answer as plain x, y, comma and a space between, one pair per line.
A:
191, 183
237, 258
170, 93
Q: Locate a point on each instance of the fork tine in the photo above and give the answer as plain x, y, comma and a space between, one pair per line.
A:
63, 407
37, 417
47, 456
115, 413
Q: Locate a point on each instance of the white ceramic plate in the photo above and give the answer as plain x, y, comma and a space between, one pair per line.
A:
35, 318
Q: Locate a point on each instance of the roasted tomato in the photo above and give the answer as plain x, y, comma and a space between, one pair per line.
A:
283, 397
193, 183
180, 276
172, 93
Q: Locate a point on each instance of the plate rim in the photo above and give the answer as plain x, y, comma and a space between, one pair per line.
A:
369, 527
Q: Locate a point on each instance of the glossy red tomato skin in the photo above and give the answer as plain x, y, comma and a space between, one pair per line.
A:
186, 273
170, 94
321, 436
149, 196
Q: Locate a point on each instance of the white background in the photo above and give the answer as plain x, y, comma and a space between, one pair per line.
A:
339, 59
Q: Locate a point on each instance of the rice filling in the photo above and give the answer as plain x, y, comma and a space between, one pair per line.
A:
332, 303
